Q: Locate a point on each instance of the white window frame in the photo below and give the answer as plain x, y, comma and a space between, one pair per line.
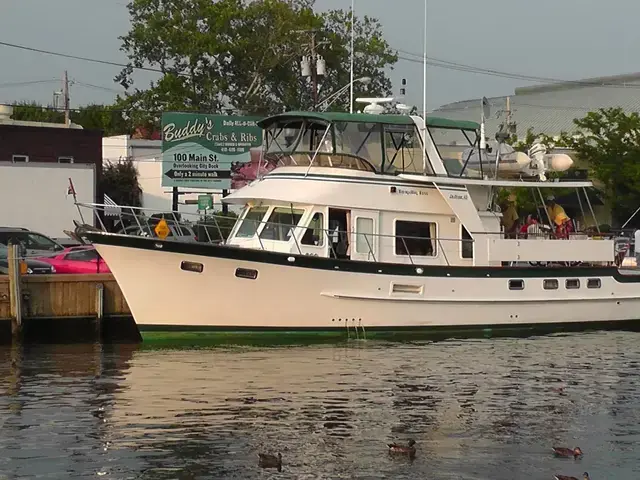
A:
436, 250
25, 157
65, 158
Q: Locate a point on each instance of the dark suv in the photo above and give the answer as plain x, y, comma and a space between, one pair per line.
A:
34, 244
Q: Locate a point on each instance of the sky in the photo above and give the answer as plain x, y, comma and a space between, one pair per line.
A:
560, 39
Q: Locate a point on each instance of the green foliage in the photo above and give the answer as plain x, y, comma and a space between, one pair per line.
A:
120, 181
107, 118
244, 57
609, 140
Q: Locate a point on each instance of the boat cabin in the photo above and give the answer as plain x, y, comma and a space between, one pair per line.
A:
382, 188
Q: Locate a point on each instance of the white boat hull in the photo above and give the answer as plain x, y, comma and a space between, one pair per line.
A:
292, 292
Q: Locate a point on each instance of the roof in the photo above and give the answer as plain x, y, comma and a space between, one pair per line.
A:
331, 117
551, 108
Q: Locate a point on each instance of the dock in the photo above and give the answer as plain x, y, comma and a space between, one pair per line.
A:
63, 308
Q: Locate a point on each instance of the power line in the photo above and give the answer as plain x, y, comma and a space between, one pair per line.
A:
25, 83
76, 57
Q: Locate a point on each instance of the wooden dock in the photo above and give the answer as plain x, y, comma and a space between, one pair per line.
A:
65, 308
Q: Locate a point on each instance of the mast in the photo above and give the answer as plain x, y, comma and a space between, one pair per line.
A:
424, 92
351, 69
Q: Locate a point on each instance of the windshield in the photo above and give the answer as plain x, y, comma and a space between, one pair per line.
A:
251, 222
455, 146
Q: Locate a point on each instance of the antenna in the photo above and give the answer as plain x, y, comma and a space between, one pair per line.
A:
351, 78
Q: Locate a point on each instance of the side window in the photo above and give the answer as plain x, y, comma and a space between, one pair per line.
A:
314, 235
415, 238
466, 247
40, 242
82, 255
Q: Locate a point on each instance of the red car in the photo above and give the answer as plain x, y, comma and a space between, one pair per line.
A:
82, 259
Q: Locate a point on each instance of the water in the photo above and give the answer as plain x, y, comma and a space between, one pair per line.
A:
478, 409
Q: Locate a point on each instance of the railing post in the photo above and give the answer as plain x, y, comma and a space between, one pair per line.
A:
15, 290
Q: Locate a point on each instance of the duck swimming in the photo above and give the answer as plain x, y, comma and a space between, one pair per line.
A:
567, 452
266, 460
585, 476
409, 449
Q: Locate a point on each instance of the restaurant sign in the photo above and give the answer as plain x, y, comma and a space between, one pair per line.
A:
206, 151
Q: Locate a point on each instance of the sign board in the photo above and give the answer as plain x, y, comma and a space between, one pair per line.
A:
205, 202
162, 229
204, 151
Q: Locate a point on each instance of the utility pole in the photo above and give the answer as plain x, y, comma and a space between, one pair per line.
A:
65, 93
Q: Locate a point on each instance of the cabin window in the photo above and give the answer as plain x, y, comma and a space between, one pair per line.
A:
251, 222
360, 141
594, 283
65, 159
314, 235
280, 224
192, 267
516, 284
466, 246
572, 283
550, 284
19, 158
248, 273
415, 238
364, 235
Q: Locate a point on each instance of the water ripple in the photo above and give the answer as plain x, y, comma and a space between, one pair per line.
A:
479, 409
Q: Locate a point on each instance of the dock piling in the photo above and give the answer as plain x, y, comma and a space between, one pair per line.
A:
99, 309
15, 289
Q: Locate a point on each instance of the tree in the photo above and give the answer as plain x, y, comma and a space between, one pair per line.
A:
107, 118
609, 140
120, 181
241, 56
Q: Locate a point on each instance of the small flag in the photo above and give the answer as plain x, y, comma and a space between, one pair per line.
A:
70, 189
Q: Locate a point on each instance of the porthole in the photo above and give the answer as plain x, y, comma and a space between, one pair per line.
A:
192, 267
516, 284
247, 273
550, 284
572, 283
594, 283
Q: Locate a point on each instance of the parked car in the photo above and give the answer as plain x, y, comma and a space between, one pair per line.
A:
34, 243
82, 259
33, 266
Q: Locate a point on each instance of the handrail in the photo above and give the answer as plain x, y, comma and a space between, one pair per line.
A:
429, 248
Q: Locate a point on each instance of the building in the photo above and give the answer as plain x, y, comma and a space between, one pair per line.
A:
36, 162
551, 108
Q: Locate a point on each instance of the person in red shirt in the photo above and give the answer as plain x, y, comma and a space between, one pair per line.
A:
531, 220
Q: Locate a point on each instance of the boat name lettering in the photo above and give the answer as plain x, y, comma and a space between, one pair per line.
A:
407, 191
456, 196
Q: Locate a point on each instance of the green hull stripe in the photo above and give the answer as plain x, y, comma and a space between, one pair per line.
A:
192, 336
